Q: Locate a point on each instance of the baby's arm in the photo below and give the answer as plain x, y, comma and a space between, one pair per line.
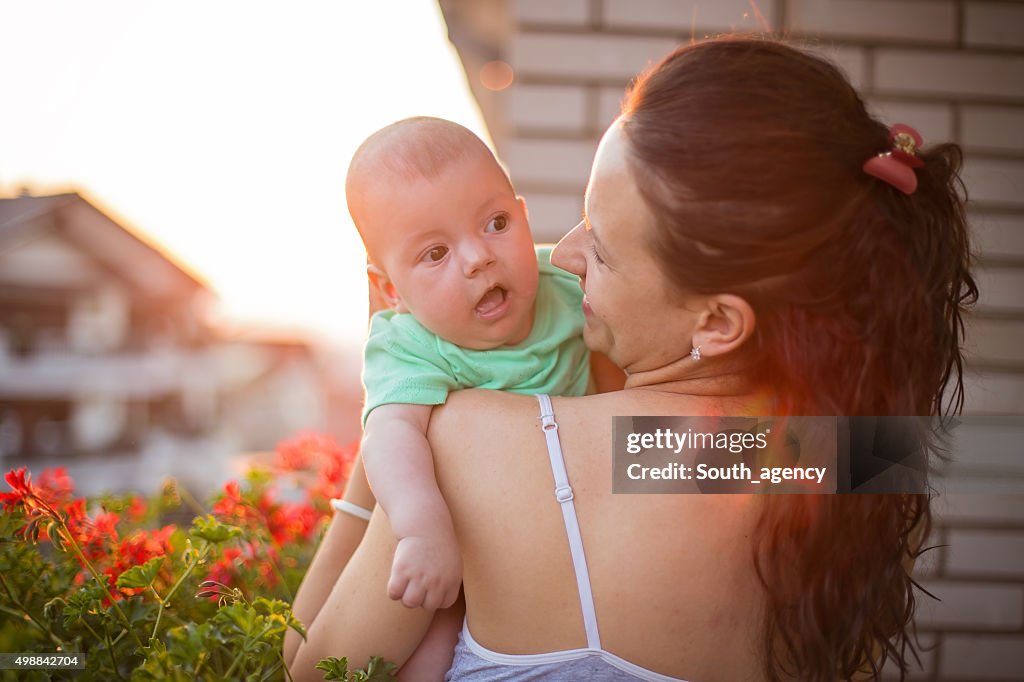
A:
427, 568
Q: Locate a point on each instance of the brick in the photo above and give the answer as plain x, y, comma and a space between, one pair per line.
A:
965, 481
851, 61
556, 162
1001, 288
689, 18
999, 128
979, 508
993, 553
993, 392
609, 104
549, 12
996, 181
987, 445
982, 657
949, 73
585, 56
548, 107
998, 235
933, 22
995, 24
553, 215
933, 121
971, 605
997, 341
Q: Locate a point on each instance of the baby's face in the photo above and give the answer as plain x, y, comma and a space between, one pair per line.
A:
459, 252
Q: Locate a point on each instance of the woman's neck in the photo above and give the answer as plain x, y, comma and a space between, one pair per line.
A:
685, 377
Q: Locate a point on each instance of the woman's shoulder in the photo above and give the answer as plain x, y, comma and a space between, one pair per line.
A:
486, 422
491, 411
473, 414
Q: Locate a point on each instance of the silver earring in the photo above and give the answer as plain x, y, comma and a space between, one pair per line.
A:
695, 353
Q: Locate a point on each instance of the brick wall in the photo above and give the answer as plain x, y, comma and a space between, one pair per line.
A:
955, 70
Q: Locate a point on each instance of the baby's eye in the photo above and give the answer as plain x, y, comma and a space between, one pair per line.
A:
499, 223
435, 254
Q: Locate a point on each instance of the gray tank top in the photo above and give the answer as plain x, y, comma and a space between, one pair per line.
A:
473, 662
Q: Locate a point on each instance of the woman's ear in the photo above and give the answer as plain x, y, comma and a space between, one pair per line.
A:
724, 323
385, 288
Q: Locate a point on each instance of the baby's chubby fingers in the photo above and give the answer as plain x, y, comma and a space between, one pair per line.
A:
441, 597
414, 595
397, 584
425, 573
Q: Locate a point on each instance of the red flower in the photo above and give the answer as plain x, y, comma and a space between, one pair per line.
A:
293, 522
136, 550
320, 454
20, 481
75, 511
143, 545
137, 508
97, 536
234, 508
55, 485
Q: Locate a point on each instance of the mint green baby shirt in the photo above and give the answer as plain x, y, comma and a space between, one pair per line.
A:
405, 363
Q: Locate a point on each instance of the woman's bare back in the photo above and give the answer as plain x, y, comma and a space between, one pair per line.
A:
672, 575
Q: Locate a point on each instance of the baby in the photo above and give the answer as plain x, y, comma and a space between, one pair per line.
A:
472, 304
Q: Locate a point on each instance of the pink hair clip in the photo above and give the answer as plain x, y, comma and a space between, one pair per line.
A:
896, 167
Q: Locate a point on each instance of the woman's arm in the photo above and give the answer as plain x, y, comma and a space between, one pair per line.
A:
342, 537
356, 620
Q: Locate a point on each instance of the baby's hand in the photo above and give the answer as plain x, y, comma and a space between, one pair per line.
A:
427, 571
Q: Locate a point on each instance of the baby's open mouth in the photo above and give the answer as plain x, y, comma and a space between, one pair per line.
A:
491, 301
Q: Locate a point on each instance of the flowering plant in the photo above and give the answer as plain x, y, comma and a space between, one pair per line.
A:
142, 599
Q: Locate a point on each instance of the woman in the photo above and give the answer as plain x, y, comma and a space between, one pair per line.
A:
752, 244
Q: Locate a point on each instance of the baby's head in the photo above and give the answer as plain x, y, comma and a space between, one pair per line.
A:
448, 238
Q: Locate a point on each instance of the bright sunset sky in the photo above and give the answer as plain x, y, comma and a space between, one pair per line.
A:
221, 131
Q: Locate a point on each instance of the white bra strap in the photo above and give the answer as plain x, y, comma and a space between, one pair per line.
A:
563, 493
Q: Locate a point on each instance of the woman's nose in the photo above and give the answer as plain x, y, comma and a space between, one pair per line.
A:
477, 257
568, 253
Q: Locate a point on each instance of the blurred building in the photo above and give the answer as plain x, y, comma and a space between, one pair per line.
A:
108, 364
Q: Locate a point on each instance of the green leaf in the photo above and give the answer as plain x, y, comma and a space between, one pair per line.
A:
81, 603
242, 618
279, 610
141, 576
378, 670
138, 611
334, 668
210, 529
10, 522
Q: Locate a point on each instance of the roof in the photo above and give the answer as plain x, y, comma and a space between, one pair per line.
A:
118, 248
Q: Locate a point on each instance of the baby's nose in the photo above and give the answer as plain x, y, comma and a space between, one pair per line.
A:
478, 259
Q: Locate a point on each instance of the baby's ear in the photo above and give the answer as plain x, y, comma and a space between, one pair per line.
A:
385, 288
522, 202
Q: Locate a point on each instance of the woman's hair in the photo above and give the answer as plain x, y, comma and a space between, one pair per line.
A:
750, 153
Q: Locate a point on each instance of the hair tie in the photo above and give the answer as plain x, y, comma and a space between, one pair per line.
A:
896, 166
